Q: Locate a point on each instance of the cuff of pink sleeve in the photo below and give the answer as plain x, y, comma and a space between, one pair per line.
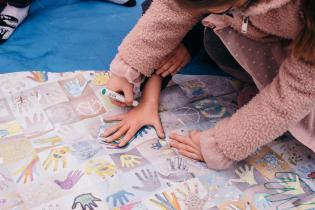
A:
212, 154
120, 68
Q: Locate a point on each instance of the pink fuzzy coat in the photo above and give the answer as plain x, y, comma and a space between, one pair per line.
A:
287, 85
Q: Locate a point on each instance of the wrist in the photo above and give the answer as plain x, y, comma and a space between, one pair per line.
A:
150, 103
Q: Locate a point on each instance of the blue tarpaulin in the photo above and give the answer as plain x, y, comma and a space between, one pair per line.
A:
65, 35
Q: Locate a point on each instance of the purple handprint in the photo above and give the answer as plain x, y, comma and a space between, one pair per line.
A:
70, 181
4, 182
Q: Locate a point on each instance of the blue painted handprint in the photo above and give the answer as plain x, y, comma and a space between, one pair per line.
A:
140, 133
157, 145
144, 130
84, 150
4, 133
75, 88
119, 197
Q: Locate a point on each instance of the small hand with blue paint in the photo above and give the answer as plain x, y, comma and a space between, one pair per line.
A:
133, 125
120, 197
75, 88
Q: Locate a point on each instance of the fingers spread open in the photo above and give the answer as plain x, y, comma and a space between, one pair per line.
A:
129, 135
118, 133
111, 130
190, 155
182, 146
183, 139
118, 117
171, 62
159, 128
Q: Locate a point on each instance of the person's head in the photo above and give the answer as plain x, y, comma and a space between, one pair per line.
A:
303, 46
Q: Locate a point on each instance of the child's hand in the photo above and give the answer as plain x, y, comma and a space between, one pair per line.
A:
120, 84
188, 146
173, 63
132, 121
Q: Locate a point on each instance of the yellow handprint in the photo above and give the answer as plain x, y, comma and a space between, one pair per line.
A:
100, 78
130, 161
53, 141
56, 155
9, 129
101, 167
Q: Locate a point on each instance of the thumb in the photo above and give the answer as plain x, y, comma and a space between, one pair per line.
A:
159, 128
128, 93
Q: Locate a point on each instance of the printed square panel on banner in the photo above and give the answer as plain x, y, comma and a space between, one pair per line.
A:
129, 160
62, 114
88, 106
50, 94
211, 109
267, 162
100, 168
36, 124
15, 149
56, 159
142, 181
10, 129
50, 139
76, 87
155, 150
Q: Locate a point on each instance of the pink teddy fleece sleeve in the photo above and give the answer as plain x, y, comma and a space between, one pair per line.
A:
280, 105
156, 34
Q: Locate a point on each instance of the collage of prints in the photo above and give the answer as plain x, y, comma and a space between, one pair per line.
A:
52, 156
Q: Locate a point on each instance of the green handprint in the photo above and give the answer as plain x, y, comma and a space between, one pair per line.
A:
307, 205
286, 188
86, 201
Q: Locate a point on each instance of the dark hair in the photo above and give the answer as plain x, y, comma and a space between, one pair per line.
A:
303, 46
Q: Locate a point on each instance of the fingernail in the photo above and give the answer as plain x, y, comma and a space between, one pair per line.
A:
108, 140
